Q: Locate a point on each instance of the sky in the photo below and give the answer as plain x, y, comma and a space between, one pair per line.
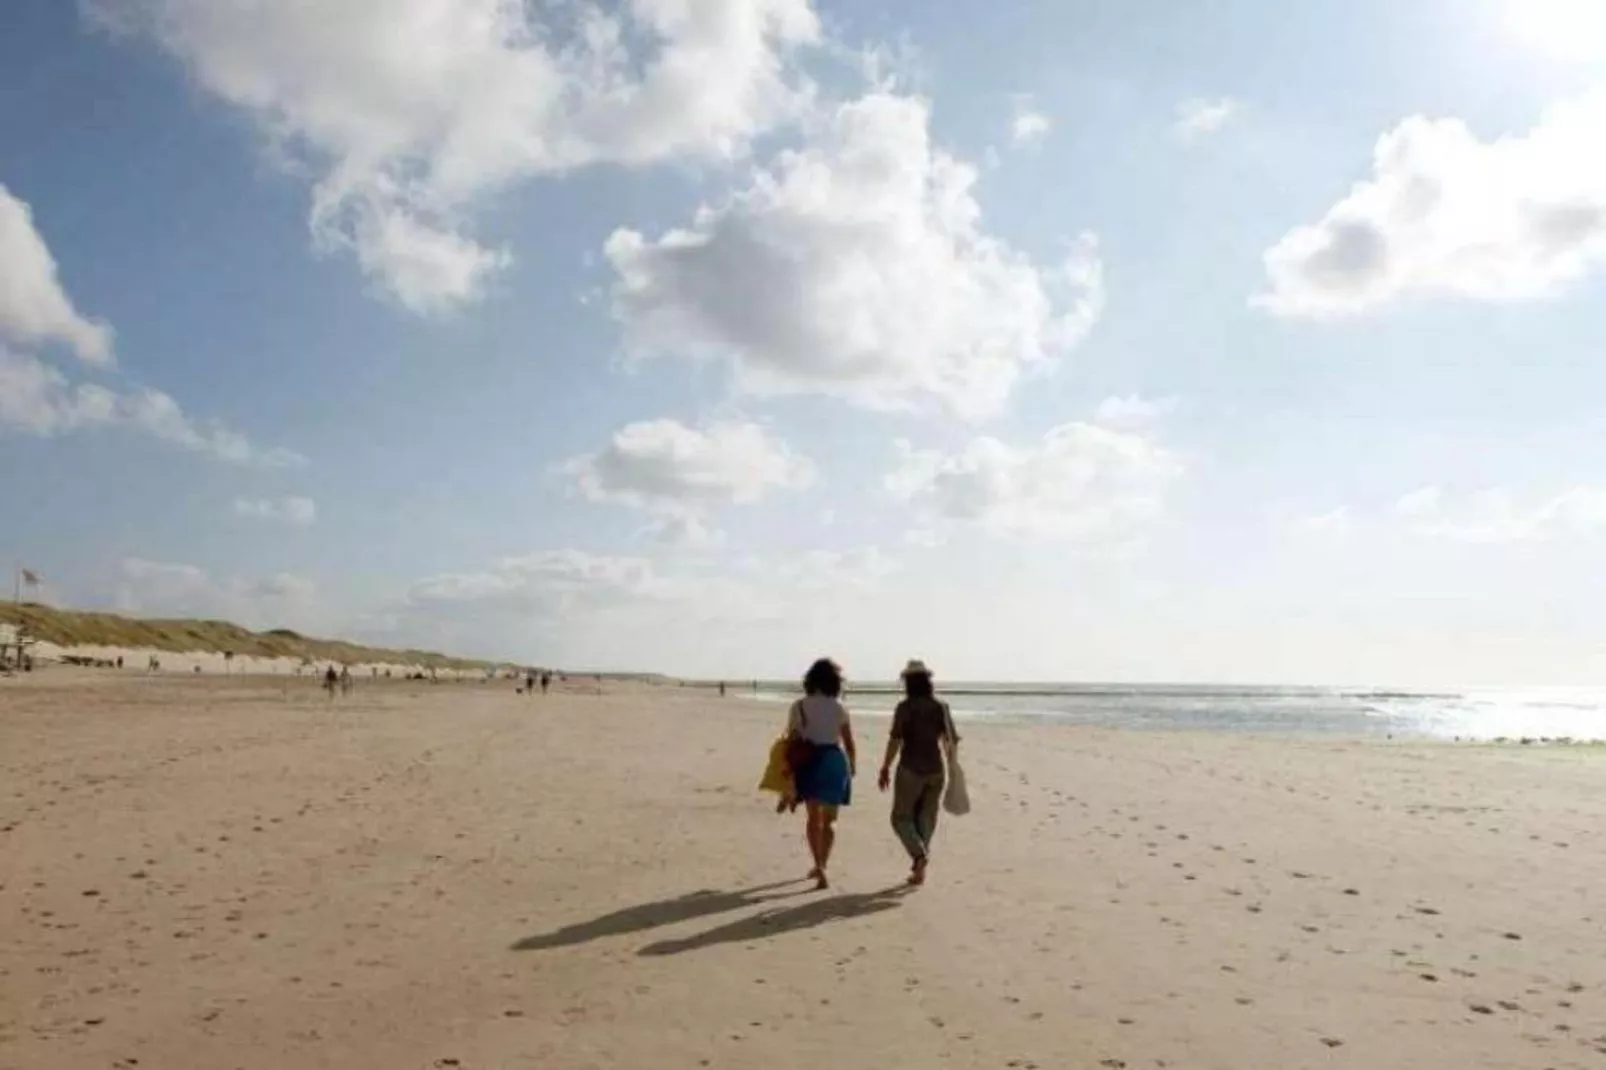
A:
1114, 340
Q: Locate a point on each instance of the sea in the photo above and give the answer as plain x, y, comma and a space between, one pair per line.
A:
1531, 714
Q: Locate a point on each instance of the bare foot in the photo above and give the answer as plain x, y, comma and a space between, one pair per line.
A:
814, 874
820, 883
918, 876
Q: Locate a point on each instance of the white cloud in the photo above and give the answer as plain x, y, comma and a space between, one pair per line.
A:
571, 599
685, 531
36, 399
666, 467
427, 269
1199, 118
1029, 125
1334, 524
1081, 481
33, 307
411, 113
1133, 410
684, 614
299, 512
1445, 214
857, 266
1495, 516
166, 589
551, 588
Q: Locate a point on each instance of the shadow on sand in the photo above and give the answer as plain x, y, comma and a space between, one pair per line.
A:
700, 904
785, 920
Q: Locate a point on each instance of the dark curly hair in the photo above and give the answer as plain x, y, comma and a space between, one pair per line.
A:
823, 678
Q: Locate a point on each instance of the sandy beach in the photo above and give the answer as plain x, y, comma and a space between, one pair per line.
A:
218, 873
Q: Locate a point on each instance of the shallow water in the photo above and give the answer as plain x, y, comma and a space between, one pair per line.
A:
1553, 713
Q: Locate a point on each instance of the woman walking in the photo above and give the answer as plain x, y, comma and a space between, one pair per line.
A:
823, 735
922, 729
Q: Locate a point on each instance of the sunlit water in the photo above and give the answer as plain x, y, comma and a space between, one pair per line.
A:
1544, 713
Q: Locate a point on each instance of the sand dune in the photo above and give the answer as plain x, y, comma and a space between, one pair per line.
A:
215, 873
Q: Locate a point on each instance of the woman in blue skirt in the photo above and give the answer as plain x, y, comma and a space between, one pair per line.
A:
825, 776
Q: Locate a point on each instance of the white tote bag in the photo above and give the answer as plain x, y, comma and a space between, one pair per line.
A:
956, 797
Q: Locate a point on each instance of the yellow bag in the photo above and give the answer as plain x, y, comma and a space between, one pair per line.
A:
777, 777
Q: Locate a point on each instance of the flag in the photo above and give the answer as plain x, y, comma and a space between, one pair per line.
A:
30, 578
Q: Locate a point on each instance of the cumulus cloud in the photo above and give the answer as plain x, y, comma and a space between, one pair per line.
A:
298, 512
1199, 118
1447, 215
1080, 481
1028, 125
168, 589
36, 399
34, 309
857, 265
412, 113
1495, 515
667, 467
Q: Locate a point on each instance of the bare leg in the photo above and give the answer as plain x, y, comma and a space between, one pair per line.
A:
827, 837
814, 826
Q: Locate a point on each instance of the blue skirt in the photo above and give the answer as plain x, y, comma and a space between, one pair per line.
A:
825, 779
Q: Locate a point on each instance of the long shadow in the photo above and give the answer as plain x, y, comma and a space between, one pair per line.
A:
779, 921
699, 904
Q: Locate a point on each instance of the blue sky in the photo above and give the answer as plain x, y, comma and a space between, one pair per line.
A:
1082, 340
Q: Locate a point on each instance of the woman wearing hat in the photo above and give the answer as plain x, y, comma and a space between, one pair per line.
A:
824, 777
922, 729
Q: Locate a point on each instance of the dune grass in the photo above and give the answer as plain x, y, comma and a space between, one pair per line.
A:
69, 628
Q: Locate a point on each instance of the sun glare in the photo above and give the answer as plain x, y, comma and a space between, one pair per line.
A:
1565, 30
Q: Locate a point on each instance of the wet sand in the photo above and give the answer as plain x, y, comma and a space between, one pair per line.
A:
205, 873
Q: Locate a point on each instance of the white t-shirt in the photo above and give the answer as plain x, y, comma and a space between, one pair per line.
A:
817, 718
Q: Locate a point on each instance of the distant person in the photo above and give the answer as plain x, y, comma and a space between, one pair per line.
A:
119, 661
529, 682
331, 680
922, 730
722, 689
546, 682
345, 679
825, 759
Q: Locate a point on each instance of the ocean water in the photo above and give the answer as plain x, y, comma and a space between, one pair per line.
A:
1541, 713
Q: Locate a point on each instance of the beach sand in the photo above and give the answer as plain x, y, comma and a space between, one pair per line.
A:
211, 873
